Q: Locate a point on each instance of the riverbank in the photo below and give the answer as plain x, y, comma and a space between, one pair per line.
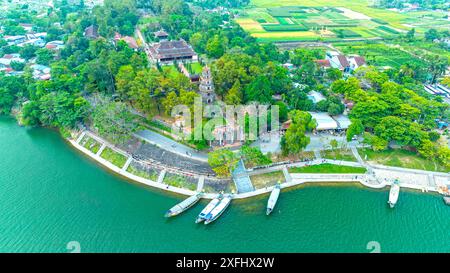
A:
52, 194
369, 180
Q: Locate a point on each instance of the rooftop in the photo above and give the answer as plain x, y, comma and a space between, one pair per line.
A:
324, 121
171, 49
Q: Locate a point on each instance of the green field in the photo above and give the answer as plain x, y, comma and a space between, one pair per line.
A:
401, 158
114, 157
267, 180
325, 20
380, 54
327, 168
339, 154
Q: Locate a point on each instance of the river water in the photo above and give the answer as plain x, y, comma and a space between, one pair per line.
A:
51, 195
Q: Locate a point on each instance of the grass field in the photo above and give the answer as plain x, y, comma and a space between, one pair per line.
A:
379, 54
401, 158
114, 157
339, 154
179, 181
267, 180
149, 174
305, 20
90, 144
327, 168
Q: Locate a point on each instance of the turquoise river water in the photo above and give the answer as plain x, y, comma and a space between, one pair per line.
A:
50, 195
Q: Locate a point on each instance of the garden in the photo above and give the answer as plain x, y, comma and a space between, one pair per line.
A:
114, 157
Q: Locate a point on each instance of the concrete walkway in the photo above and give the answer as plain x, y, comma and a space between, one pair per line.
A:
171, 145
357, 156
201, 182
242, 179
379, 177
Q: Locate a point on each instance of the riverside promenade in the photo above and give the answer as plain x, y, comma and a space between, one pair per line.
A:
377, 176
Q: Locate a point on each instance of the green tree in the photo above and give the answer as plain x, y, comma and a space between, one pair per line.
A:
355, 128
410, 34
234, 95
44, 56
6, 100
254, 157
223, 162
215, 47
377, 143
114, 121
27, 52
295, 139
17, 66
431, 34
259, 90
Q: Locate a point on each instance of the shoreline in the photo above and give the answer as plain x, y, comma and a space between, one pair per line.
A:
296, 181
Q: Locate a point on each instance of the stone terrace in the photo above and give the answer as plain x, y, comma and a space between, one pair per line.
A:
147, 151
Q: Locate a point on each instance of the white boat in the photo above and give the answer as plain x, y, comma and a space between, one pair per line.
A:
211, 205
218, 210
273, 199
447, 200
184, 205
393, 194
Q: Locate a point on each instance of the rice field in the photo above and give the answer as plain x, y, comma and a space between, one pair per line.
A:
327, 20
379, 54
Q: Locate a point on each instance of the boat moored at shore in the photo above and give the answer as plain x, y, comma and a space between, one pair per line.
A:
218, 210
394, 193
184, 205
273, 199
211, 205
447, 200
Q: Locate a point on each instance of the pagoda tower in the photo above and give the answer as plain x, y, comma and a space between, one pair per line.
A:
207, 86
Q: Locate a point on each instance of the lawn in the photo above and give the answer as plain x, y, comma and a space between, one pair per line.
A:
90, 144
295, 157
179, 181
327, 168
171, 70
147, 174
401, 158
338, 154
267, 180
114, 157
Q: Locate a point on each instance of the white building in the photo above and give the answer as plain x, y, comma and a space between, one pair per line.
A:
324, 121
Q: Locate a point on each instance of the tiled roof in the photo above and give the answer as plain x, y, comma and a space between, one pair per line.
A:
343, 60
323, 63
360, 60
171, 49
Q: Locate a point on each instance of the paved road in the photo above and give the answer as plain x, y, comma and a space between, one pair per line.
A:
171, 145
